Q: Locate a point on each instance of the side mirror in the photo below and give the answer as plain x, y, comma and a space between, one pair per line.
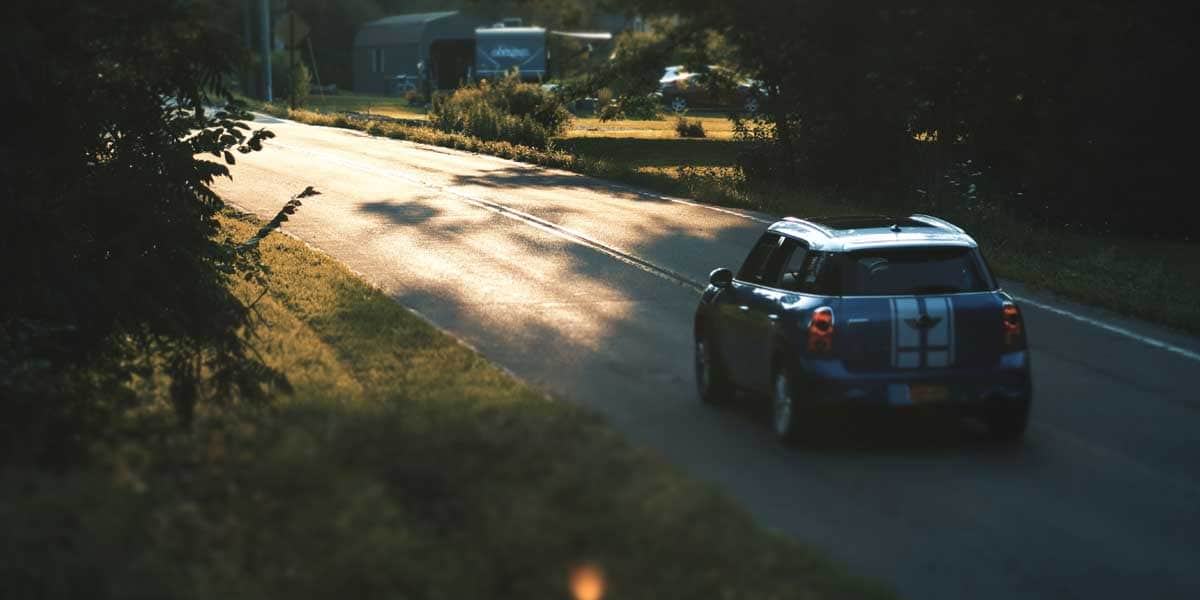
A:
721, 278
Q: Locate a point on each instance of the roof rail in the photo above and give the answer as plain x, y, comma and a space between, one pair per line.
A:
936, 222
827, 233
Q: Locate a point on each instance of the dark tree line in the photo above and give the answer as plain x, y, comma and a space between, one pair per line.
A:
1075, 114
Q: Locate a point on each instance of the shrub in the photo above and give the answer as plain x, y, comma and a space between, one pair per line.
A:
414, 98
689, 128
506, 110
282, 84
610, 111
110, 239
642, 108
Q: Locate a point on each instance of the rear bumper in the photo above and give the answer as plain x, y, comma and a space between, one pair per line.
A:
828, 383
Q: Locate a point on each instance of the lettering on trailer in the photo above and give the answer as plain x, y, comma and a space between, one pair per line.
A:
509, 52
922, 332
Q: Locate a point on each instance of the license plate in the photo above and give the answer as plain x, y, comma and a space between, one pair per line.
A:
924, 394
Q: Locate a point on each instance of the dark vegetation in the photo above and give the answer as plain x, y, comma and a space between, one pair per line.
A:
689, 128
1074, 116
112, 262
501, 110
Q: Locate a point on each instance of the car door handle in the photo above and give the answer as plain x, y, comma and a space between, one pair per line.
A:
743, 307
773, 317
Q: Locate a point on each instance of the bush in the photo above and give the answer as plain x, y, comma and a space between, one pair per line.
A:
642, 108
637, 108
689, 128
281, 80
414, 98
507, 110
110, 231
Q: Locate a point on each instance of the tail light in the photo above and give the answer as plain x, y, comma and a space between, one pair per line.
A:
1014, 328
820, 331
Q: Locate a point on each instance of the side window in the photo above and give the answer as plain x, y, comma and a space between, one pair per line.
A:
755, 267
795, 268
809, 272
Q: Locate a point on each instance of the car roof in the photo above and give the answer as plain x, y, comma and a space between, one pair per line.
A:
849, 233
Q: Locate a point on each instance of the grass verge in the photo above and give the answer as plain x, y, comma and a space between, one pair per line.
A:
1145, 279
404, 465
387, 106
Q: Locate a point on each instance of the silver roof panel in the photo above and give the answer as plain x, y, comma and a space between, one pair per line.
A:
937, 233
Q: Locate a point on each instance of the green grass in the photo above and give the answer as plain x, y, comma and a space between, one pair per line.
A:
1139, 278
655, 154
403, 466
387, 106
716, 127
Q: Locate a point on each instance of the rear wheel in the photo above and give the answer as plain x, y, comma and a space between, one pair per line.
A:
711, 381
1007, 423
789, 418
750, 105
679, 104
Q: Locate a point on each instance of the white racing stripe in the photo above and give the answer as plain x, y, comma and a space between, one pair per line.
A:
1149, 341
539, 223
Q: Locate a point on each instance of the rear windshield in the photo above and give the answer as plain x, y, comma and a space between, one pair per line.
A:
912, 271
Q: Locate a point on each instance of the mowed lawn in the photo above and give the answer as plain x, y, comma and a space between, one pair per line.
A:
716, 127
402, 465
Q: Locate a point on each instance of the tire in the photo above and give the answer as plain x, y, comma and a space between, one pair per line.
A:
751, 105
789, 419
712, 383
1007, 424
679, 104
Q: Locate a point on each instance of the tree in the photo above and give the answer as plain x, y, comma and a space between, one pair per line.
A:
1072, 114
109, 232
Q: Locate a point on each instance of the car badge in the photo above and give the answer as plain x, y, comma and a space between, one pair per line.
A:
925, 322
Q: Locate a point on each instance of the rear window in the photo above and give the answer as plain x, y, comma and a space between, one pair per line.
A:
912, 271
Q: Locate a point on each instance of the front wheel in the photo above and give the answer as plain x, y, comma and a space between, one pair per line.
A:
679, 104
711, 381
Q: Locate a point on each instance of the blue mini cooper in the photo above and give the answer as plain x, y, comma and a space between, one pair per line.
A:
860, 312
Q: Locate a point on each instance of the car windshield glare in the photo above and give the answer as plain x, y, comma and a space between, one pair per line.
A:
912, 271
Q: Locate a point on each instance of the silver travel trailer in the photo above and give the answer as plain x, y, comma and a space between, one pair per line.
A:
499, 50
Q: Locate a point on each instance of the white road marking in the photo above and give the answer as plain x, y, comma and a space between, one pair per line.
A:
1149, 341
537, 222
670, 275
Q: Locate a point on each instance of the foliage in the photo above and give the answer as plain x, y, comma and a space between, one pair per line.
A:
1073, 113
109, 249
689, 128
507, 109
646, 107
285, 86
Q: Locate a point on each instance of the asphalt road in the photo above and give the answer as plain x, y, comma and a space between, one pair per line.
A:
586, 289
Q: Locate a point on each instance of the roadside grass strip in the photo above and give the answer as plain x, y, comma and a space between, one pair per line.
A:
403, 465
1146, 279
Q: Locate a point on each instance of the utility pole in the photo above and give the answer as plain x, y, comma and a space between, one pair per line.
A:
248, 41
291, 57
265, 9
